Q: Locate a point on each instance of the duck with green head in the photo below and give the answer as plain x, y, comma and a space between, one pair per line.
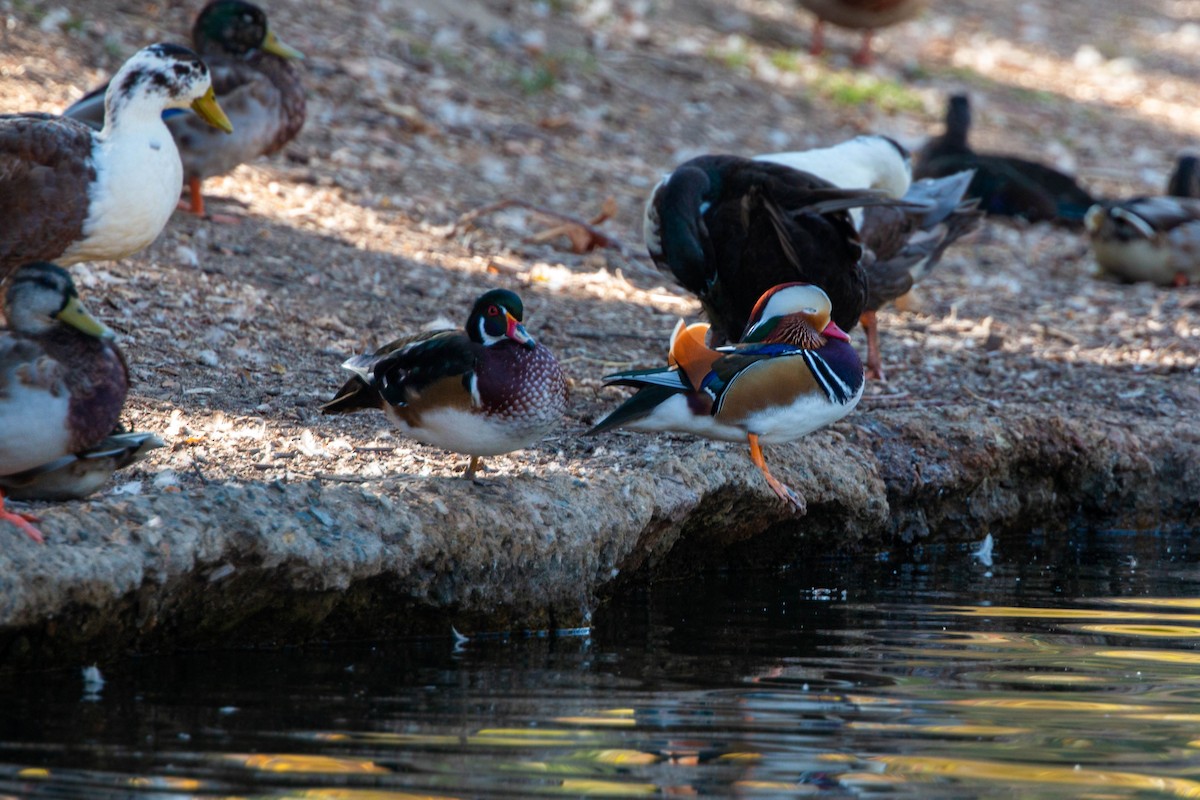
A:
488, 389
62, 380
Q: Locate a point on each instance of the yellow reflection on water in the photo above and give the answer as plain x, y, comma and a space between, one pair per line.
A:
1158, 656
1068, 678
1041, 704
355, 794
1032, 773
944, 730
296, 762
1163, 631
594, 788
1153, 602
1054, 613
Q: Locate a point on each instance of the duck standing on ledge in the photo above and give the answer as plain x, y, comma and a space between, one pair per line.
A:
729, 228
254, 74
793, 372
62, 380
905, 244
864, 15
1005, 185
69, 193
1155, 239
482, 391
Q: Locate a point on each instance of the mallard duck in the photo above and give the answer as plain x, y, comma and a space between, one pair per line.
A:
793, 372
482, 391
62, 380
1185, 180
69, 193
1005, 185
254, 74
864, 15
1154, 239
729, 228
77, 475
904, 244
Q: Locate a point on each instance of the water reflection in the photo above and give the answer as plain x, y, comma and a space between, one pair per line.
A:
1070, 672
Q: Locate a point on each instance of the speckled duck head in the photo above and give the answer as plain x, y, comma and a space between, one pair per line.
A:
162, 76
496, 317
237, 28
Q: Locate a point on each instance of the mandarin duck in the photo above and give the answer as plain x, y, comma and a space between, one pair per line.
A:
69, 193
1154, 239
62, 380
1005, 185
864, 15
77, 475
1185, 180
253, 73
793, 372
729, 228
904, 244
482, 391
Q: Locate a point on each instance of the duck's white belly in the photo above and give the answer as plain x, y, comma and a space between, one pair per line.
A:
138, 180
805, 415
1137, 260
773, 425
470, 433
33, 429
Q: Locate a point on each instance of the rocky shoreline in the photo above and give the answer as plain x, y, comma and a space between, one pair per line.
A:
255, 564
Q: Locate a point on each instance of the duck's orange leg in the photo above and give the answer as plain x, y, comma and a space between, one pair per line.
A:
874, 359
195, 201
785, 493
22, 521
473, 466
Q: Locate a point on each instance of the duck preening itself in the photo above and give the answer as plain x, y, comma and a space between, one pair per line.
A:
729, 228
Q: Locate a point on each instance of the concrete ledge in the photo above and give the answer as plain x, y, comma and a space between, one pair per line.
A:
269, 564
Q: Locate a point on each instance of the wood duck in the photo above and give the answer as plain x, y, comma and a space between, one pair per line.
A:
864, 15
729, 228
1185, 180
793, 372
482, 391
1005, 185
69, 193
62, 380
254, 74
904, 244
1154, 239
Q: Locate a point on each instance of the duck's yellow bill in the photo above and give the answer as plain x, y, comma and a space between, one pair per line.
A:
278, 47
207, 109
75, 315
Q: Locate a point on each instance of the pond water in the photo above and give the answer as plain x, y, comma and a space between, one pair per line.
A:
1068, 668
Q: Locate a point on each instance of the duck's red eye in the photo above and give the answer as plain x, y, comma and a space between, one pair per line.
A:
493, 311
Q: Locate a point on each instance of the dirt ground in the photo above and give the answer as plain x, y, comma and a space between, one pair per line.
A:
420, 113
